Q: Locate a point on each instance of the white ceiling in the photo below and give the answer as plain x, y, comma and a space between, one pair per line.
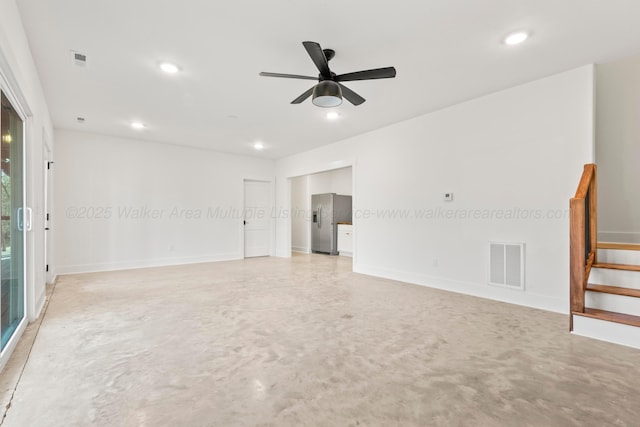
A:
445, 52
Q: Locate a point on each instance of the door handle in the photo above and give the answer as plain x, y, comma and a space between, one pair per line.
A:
20, 218
319, 216
29, 220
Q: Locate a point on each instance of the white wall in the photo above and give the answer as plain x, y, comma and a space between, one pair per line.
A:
19, 77
124, 203
334, 181
300, 239
337, 181
618, 150
504, 155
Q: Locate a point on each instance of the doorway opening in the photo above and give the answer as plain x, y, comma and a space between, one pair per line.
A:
338, 181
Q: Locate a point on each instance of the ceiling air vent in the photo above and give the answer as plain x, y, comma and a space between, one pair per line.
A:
79, 59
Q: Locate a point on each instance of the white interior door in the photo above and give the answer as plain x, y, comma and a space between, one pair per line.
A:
257, 218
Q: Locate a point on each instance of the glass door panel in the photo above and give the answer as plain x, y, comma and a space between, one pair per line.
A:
12, 223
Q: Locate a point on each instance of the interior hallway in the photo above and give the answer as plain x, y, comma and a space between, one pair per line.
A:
303, 341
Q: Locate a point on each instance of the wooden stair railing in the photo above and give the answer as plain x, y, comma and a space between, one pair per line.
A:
583, 238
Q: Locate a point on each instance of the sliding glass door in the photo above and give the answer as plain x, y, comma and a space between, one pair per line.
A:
12, 292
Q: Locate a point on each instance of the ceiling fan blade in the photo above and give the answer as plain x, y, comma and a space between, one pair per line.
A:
351, 96
378, 73
287, 76
302, 97
317, 56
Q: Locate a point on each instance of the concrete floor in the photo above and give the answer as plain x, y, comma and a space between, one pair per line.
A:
305, 342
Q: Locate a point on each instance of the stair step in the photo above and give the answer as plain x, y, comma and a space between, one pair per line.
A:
619, 246
605, 289
610, 316
627, 267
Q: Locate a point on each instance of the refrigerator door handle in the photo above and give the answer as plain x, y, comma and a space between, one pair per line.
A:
320, 216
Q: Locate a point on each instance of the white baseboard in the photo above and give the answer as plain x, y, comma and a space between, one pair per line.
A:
128, 265
40, 302
481, 290
301, 249
603, 330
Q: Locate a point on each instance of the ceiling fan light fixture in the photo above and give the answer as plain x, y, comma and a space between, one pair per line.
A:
327, 94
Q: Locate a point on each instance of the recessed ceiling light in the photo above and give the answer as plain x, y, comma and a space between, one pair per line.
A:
137, 125
516, 38
169, 68
258, 145
332, 115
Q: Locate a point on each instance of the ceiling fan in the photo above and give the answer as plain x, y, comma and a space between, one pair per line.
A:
330, 90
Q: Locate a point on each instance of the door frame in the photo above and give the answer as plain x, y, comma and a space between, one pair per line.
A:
18, 102
352, 163
47, 208
272, 214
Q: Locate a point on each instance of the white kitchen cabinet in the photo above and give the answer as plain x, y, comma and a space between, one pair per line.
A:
345, 239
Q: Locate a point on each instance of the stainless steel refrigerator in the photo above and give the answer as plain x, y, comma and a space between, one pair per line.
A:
328, 210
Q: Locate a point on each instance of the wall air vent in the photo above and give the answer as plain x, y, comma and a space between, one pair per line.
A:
506, 265
78, 59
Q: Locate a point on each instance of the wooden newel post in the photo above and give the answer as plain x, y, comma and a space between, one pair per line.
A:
577, 256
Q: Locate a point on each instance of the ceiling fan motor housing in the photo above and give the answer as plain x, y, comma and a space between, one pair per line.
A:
329, 54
